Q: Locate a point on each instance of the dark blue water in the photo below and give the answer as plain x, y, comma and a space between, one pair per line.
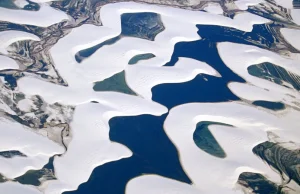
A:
83, 54
260, 36
203, 88
269, 105
144, 135
152, 151
144, 25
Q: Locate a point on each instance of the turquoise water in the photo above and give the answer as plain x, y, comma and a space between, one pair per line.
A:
134, 60
115, 83
8, 4
206, 141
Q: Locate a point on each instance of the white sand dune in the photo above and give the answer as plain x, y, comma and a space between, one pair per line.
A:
150, 184
215, 175
214, 8
7, 63
253, 93
292, 36
239, 57
11, 36
37, 148
244, 4
295, 13
45, 16
285, 3
17, 188
184, 70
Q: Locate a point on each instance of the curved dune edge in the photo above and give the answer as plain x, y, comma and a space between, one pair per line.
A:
11, 36
250, 128
150, 184
244, 4
184, 70
44, 17
295, 13
17, 188
214, 8
7, 63
239, 57
37, 148
253, 93
292, 36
